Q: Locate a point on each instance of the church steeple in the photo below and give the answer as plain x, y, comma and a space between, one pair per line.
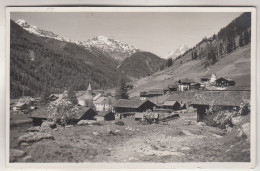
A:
89, 88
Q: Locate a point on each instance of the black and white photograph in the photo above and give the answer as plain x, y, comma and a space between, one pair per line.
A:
131, 85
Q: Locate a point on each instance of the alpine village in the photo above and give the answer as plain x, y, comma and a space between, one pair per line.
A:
105, 101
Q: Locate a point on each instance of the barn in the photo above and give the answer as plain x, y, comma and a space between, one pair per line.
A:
224, 82
172, 105
132, 105
173, 87
105, 115
83, 113
226, 100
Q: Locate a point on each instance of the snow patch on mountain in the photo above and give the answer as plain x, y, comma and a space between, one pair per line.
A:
179, 51
114, 48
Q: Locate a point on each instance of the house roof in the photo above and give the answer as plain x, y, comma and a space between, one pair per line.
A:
85, 96
104, 113
169, 103
97, 96
173, 86
222, 98
182, 96
129, 103
100, 100
156, 91
43, 113
24, 100
40, 113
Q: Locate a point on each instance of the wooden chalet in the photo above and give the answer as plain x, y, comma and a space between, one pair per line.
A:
155, 92
172, 105
204, 79
224, 82
184, 98
132, 105
227, 100
83, 113
105, 116
173, 87
24, 103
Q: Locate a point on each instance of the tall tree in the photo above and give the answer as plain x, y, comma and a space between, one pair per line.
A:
72, 95
44, 98
169, 62
121, 91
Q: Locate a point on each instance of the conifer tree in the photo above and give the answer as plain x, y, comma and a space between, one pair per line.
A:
121, 91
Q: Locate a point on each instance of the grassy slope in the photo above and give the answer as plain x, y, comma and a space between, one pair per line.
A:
235, 66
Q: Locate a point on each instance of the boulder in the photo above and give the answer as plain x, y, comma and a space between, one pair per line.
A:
200, 124
28, 159
236, 120
51, 125
120, 123
86, 122
246, 130
16, 153
96, 133
34, 129
240, 133
33, 137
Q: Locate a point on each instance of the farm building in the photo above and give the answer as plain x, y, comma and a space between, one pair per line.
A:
184, 98
195, 85
106, 115
155, 92
82, 113
132, 105
227, 100
224, 82
204, 79
172, 105
54, 97
38, 116
103, 103
173, 87
24, 103
85, 99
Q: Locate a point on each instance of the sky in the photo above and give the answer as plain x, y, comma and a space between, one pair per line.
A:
159, 33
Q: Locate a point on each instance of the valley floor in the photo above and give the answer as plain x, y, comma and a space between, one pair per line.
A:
132, 142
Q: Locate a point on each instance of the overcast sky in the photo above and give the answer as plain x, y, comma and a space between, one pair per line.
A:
159, 33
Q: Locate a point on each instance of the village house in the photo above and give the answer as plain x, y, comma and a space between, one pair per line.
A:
103, 103
24, 103
226, 100
173, 87
132, 106
105, 116
155, 92
204, 79
172, 105
224, 82
86, 98
184, 98
195, 86
83, 113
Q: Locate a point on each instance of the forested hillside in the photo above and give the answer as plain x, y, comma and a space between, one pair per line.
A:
141, 64
38, 63
234, 35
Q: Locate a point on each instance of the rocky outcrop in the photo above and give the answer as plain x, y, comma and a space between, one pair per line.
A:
33, 137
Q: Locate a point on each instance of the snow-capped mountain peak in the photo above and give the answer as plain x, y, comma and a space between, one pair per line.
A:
179, 51
114, 48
